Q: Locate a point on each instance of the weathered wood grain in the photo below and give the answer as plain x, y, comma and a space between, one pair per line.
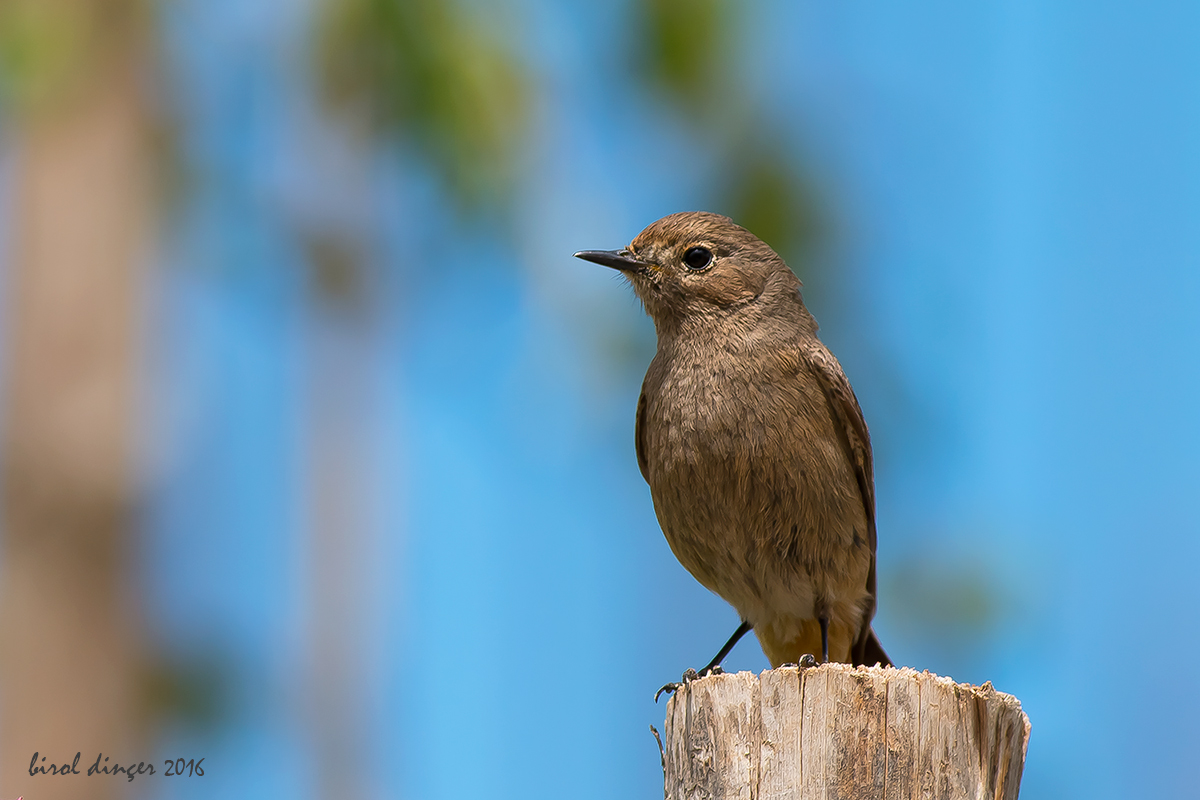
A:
836, 731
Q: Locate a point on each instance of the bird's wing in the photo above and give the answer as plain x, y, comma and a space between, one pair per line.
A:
856, 441
640, 445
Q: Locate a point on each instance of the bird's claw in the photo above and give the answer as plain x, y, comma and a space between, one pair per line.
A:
689, 675
805, 662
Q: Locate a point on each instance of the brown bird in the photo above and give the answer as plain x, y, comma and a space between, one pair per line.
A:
752, 441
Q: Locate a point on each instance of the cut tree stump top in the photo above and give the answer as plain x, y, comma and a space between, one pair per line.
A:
836, 731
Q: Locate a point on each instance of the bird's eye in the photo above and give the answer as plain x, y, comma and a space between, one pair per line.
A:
697, 258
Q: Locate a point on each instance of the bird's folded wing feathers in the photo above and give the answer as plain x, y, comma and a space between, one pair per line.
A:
856, 441
638, 444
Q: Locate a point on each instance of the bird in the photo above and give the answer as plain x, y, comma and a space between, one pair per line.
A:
752, 442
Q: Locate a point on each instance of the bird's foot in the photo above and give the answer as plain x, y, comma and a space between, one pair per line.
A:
688, 676
807, 660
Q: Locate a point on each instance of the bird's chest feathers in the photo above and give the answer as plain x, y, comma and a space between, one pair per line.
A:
747, 478
715, 414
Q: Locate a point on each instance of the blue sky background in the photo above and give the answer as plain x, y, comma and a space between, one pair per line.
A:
1011, 279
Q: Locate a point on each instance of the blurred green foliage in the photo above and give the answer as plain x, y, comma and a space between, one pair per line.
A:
686, 47
336, 261
38, 48
430, 74
767, 196
48, 48
955, 600
687, 52
197, 690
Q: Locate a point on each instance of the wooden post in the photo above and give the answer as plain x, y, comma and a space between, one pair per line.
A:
836, 731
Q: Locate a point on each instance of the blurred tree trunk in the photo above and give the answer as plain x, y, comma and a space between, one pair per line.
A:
343, 554
69, 621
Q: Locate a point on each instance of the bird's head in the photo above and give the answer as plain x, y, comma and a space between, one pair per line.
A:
699, 266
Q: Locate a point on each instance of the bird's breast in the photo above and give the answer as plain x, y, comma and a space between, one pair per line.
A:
750, 482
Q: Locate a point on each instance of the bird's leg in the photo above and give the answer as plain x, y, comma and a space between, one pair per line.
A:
715, 664
711, 668
824, 639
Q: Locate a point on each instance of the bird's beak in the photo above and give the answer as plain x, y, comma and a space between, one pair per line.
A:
617, 259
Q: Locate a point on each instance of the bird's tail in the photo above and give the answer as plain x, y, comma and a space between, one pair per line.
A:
869, 652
